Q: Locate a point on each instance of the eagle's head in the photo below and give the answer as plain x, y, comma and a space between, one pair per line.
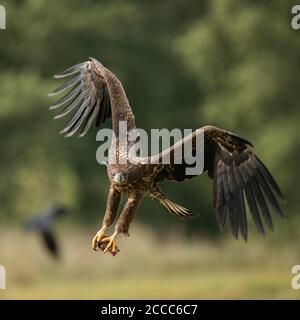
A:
118, 178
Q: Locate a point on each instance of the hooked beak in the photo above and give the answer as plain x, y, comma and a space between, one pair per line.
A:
118, 178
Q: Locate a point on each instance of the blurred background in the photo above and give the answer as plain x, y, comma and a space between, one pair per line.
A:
229, 63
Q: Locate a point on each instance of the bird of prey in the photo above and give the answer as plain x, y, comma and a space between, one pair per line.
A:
93, 94
42, 222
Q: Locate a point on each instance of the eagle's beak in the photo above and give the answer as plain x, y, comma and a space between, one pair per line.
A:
118, 178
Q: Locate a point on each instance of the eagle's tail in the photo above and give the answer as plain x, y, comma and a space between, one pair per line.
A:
170, 205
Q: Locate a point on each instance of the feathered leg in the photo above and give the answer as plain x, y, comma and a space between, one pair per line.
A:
108, 244
113, 201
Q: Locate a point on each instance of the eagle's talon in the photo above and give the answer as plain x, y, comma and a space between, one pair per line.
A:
108, 244
97, 239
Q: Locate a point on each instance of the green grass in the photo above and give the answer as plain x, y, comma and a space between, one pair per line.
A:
147, 267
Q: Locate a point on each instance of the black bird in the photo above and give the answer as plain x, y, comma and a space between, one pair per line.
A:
42, 223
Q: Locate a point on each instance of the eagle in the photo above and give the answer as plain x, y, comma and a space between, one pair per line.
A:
92, 94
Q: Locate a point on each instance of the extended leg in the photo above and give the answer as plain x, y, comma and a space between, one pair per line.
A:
113, 201
122, 225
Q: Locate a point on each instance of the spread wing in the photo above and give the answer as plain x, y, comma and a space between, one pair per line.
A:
86, 97
239, 177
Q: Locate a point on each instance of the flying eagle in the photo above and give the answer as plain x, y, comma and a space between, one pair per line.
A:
239, 177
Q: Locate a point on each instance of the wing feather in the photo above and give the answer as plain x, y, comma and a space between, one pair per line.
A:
66, 85
239, 177
77, 101
253, 209
88, 97
220, 203
70, 71
66, 98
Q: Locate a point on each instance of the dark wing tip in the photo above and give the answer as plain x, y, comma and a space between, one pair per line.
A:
247, 181
50, 242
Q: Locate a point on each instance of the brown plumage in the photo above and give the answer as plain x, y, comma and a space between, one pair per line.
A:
239, 177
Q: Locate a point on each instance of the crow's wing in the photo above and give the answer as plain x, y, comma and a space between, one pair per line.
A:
237, 174
50, 242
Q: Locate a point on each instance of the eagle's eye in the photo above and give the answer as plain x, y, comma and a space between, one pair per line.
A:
118, 177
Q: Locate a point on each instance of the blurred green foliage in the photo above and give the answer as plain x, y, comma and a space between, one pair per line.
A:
231, 63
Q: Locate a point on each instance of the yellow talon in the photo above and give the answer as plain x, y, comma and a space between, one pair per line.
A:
110, 246
98, 238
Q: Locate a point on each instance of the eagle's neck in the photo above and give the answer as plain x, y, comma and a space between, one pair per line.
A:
121, 110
